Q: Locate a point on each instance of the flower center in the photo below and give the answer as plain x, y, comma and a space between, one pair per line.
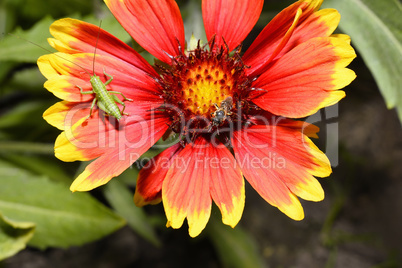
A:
205, 86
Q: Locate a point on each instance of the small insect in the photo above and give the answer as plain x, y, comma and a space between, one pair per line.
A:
222, 111
103, 97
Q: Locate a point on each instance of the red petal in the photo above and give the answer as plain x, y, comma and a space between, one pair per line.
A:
67, 73
266, 118
186, 188
230, 20
285, 39
75, 36
151, 176
227, 184
306, 78
279, 163
119, 152
312, 23
86, 138
156, 25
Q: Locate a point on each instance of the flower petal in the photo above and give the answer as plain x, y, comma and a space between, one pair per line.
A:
75, 36
230, 21
266, 118
85, 138
286, 38
156, 25
306, 78
312, 23
66, 73
55, 115
186, 188
279, 163
227, 184
151, 176
120, 153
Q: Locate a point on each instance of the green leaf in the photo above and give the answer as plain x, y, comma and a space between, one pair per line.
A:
62, 218
27, 46
27, 80
235, 247
7, 18
51, 168
36, 9
14, 236
5, 70
121, 199
25, 147
33, 10
22, 114
376, 31
14, 48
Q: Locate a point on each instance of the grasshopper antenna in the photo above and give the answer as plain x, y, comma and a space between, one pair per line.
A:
51, 52
96, 46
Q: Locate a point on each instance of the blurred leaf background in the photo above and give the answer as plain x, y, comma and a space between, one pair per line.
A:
38, 210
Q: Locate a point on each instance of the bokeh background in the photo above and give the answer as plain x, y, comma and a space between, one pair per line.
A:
358, 224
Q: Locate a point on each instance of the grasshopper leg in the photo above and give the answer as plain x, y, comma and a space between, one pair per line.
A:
116, 99
108, 75
124, 97
92, 107
85, 92
93, 102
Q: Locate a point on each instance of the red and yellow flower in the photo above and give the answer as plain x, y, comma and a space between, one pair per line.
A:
230, 112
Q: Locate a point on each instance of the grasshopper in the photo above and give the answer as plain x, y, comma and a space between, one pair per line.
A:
103, 97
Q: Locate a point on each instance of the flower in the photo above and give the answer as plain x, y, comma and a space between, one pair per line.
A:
232, 113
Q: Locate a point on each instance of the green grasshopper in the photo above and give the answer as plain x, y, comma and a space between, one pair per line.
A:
103, 97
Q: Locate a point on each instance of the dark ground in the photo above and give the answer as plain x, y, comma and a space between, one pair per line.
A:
358, 225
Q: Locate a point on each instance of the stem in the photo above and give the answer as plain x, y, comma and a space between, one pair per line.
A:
26, 147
